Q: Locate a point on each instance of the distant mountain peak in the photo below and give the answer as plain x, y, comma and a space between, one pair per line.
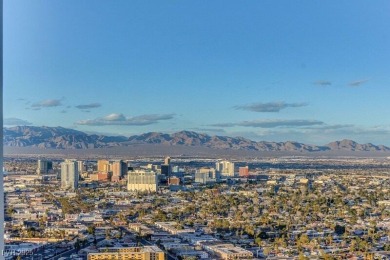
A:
350, 145
64, 138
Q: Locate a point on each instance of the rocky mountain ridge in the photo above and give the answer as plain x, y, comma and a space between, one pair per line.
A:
64, 138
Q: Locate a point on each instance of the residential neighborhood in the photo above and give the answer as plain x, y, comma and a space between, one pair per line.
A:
322, 211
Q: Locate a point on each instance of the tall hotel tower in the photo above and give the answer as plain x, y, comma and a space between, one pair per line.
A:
69, 175
225, 168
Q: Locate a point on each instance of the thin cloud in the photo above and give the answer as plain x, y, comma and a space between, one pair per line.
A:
280, 123
364, 131
114, 117
120, 119
331, 127
269, 107
273, 123
89, 106
345, 131
224, 125
357, 83
322, 83
15, 121
25, 101
47, 103
319, 136
209, 130
356, 133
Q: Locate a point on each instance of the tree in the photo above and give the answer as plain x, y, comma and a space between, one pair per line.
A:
266, 251
10, 211
339, 230
30, 232
352, 246
91, 229
258, 241
108, 234
263, 235
190, 258
325, 255
329, 239
77, 245
302, 241
119, 235
301, 256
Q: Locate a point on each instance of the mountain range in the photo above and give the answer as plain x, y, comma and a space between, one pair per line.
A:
64, 138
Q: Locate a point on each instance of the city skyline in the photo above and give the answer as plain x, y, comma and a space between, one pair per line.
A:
311, 72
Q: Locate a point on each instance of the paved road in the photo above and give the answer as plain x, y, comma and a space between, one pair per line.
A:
73, 251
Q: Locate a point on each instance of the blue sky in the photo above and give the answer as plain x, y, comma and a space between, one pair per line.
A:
308, 71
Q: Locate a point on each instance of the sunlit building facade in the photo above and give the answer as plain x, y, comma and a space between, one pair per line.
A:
141, 180
225, 168
69, 175
129, 253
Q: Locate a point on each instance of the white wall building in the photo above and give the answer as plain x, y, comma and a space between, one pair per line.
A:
140, 180
69, 175
225, 168
206, 175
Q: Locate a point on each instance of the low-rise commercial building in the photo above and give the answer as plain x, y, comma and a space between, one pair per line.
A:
228, 251
128, 253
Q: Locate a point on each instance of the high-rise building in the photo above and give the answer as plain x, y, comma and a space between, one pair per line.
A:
100, 176
140, 180
225, 168
167, 160
243, 172
69, 175
166, 167
44, 166
119, 168
103, 166
166, 170
80, 167
206, 175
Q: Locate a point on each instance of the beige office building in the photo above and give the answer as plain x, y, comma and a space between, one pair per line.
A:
128, 253
140, 180
103, 166
118, 168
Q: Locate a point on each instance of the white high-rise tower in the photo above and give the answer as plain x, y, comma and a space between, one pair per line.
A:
69, 175
225, 168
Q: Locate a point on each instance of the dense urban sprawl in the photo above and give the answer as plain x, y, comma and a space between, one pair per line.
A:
185, 208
